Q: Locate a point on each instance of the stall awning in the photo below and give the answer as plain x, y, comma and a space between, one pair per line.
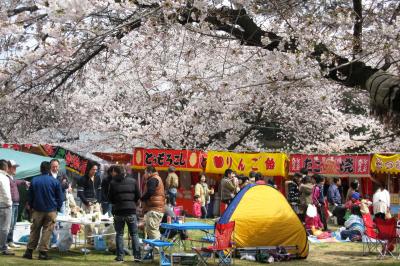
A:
388, 164
29, 164
346, 165
121, 158
268, 164
182, 160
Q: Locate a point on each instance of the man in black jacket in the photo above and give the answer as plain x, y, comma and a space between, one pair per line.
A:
124, 194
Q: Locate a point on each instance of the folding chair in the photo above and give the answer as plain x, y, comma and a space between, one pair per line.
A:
222, 247
387, 235
370, 241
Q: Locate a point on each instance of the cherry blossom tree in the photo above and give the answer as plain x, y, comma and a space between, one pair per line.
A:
238, 75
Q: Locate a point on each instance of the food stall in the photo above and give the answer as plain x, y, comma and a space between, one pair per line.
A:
346, 166
270, 165
386, 169
188, 164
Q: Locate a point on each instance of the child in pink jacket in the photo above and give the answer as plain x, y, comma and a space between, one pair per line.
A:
197, 206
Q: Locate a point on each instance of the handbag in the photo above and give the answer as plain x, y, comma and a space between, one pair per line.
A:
311, 211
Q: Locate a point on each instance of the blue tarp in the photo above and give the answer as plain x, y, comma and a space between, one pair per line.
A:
29, 164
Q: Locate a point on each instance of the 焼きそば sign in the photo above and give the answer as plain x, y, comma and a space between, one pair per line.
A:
331, 165
182, 160
74, 162
389, 164
268, 164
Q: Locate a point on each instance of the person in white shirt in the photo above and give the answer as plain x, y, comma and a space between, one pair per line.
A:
381, 202
5, 208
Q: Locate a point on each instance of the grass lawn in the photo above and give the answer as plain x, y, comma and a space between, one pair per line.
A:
320, 254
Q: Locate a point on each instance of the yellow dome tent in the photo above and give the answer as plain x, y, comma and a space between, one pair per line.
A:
263, 217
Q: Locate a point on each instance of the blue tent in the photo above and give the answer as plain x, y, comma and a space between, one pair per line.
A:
29, 164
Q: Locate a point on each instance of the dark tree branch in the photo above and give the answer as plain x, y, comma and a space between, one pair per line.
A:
19, 10
338, 68
357, 31
247, 131
394, 15
77, 67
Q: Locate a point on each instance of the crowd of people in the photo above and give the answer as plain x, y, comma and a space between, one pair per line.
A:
314, 200
9, 204
318, 202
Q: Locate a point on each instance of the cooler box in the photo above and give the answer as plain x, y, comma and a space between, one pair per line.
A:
184, 258
21, 230
99, 243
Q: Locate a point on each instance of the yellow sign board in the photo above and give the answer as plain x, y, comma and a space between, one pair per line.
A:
389, 164
268, 164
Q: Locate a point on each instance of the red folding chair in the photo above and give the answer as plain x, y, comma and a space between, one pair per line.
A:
370, 241
387, 235
222, 247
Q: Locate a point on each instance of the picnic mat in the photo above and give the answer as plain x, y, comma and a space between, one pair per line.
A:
315, 240
334, 239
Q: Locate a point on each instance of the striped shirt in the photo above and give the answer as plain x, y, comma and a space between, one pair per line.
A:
355, 222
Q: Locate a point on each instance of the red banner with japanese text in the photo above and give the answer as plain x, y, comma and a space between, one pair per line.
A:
268, 164
182, 160
331, 165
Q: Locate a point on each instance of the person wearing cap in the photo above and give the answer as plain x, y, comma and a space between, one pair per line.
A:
12, 169
354, 200
5, 208
172, 184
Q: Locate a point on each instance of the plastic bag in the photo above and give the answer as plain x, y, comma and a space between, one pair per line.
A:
109, 237
65, 240
311, 211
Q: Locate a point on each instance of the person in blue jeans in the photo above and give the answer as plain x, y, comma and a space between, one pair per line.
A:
14, 184
124, 194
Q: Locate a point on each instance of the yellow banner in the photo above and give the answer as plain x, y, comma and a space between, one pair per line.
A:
385, 164
268, 164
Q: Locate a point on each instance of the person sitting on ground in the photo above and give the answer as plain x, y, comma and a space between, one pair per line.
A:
197, 206
354, 225
365, 205
355, 200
